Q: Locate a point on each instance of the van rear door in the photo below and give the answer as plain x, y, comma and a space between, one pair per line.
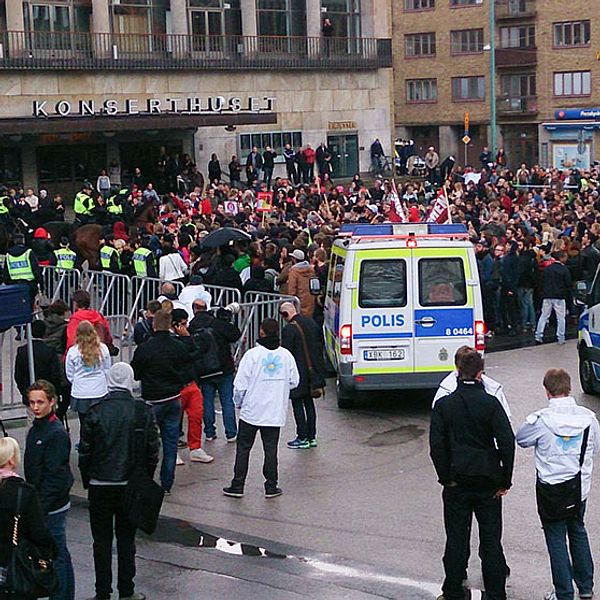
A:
443, 308
382, 321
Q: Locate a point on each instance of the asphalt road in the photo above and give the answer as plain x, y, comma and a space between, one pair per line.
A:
361, 516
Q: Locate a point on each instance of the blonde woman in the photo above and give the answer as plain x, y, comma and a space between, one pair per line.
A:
31, 523
86, 366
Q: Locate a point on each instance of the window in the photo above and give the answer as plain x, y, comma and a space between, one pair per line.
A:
382, 284
336, 274
281, 17
442, 282
466, 41
60, 163
518, 86
419, 4
465, 2
277, 140
210, 19
419, 44
576, 83
572, 33
344, 15
421, 90
468, 88
517, 37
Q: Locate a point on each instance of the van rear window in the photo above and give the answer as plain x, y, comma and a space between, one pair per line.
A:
442, 282
382, 284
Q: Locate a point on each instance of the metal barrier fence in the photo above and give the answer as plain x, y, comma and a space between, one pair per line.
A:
144, 289
222, 296
59, 283
11, 404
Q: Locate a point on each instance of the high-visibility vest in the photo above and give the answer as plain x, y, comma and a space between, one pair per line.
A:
3, 207
19, 267
65, 258
140, 262
112, 208
82, 204
106, 253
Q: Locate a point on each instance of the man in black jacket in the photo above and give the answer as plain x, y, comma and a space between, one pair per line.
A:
556, 290
106, 459
472, 448
46, 463
301, 337
157, 363
225, 333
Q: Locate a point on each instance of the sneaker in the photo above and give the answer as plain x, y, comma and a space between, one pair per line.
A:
273, 493
181, 443
210, 438
550, 595
232, 440
134, 596
298, 444
586, 596
538, 341
179, 461
167, 492
467, 592
199, 455
233, 492
312, 443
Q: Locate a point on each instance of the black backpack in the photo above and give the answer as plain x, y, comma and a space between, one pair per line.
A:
209, 363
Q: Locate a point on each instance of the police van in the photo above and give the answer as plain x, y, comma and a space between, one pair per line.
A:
588, 344
400, 300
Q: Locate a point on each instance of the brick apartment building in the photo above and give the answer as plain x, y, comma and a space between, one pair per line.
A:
547, 75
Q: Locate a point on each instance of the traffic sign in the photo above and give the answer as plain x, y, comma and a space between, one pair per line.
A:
466, 140
467, 121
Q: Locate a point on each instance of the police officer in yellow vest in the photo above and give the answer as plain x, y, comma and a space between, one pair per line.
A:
5, 202
21, 267
84, 204
144, 262
114, 205
65, 257
109, 256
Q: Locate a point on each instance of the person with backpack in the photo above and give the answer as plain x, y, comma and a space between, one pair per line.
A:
216, 367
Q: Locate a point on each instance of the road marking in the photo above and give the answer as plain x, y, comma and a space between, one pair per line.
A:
352, 572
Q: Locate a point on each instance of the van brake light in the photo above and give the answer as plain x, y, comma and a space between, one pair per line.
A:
346, 339
480, 336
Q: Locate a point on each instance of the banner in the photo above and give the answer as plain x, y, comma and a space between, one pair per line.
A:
263, 202
440, 213
231, 207
397, 212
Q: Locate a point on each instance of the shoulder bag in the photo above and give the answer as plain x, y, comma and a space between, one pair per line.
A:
561, 501
31, 571
315, 392
143, 497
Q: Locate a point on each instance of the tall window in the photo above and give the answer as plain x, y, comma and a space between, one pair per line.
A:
517, 37
277, 140
421, 90
139, 22
468, 88
344, 15
575, 83
419, 44
572, 33
281, 17
210, 19
466, 41
419, 4
465, 2
518, 86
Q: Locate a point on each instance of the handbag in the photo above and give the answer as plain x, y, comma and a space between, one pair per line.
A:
143, 497
561, 501
31, 572
315, 392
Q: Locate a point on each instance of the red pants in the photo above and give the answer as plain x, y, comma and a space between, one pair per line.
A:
193, 405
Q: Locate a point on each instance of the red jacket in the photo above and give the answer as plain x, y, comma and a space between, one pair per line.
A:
95, 318
310, 156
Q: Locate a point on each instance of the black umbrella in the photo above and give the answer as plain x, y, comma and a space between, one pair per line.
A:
223, 236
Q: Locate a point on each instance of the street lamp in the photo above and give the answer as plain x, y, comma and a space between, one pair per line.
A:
492, 46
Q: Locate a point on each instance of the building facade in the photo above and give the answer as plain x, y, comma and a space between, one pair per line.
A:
89, 83
546, 64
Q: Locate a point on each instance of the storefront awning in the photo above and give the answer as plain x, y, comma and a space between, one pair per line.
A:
30, 125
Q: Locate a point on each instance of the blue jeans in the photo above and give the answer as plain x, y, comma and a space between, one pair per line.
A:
224, 384
57, 525
525, 296
574, 563
560, 308
167, 417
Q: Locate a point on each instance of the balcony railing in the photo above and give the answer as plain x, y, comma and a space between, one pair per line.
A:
515, 9
516, 57
516, 105
40, 50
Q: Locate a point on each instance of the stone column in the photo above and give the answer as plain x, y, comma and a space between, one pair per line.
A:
179, 43
313, 26
16, 25
29, 166
449, 144
249, 18
101, 28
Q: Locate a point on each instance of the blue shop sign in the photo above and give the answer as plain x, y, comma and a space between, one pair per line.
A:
570, 114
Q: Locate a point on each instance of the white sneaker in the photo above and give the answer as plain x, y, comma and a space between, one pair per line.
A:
231, 440
199, 455
550, 595
179, 461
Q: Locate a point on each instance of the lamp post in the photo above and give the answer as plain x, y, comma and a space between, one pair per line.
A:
493, 126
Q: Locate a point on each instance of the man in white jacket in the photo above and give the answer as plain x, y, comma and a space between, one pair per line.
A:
261, 390
557, 433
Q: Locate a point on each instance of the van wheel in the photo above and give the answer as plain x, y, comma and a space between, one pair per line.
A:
586, 373
345, 398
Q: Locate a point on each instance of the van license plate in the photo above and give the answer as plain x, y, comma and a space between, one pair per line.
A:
388, 354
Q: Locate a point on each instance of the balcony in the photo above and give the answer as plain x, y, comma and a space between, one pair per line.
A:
516, 57
516, 106
508, 10
95, 51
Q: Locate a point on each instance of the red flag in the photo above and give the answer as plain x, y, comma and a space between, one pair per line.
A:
397, 212
440, 213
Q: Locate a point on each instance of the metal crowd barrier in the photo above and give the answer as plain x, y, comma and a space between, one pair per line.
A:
144, 289
59, 283
222, 296
11, 405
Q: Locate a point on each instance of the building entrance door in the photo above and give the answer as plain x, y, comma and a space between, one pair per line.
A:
344, 150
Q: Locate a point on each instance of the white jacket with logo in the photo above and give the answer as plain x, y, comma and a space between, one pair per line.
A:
556, 432
262, 385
